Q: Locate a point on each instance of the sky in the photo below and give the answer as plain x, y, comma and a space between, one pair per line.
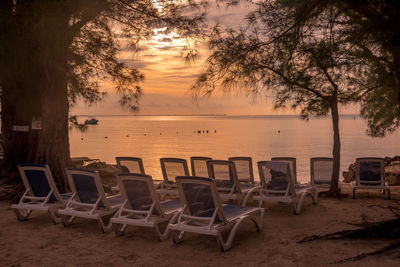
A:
168, 78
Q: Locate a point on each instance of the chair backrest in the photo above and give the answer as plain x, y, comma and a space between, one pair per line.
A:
173, 167
87, 185
130, 165
321, 170
244, 168
292, 165
370, 171
199, 166
200, 196
139, 190
224, 174
38, 177
276, 176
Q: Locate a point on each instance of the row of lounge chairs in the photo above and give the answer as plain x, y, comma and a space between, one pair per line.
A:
199, 208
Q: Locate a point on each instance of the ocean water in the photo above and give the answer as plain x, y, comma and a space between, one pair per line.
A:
260, 137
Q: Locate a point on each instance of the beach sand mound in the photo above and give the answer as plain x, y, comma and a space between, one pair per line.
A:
37, 242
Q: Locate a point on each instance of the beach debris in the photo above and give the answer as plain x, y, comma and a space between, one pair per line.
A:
198, 131
279, 131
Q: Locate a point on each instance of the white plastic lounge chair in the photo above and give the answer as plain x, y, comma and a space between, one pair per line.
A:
41, 192
225, 175
199, 166
321, 172
142, 206
292, 165
370, 174
278, 186
128, 165
244, 169
203, 212
88, 199
171, 168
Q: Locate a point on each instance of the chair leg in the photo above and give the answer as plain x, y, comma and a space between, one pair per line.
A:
298, 207
22, 217
388, 192
228, 244
259, 223
314, 195
177, 238
164, 235
67, 220
120, 230
354, 193
54, 216
105, 227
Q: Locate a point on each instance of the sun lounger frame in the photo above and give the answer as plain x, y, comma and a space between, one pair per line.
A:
30, 202
209, 225
126, 216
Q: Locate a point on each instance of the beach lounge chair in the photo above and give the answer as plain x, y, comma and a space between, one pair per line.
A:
277, 185
225, 175
203, 212
199, 166
370, 174
142, 206
171, 168
244, 169
88, 199
292, 165
41, 192
128, 165
321, 172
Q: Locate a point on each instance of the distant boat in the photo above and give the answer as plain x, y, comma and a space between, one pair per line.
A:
91, 121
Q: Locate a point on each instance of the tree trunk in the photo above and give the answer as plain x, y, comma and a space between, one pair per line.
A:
334, 188
396, 61
39, 56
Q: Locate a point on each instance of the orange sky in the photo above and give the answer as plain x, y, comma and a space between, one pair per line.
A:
168, 79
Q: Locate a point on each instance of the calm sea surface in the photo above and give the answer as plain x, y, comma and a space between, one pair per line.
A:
153, 137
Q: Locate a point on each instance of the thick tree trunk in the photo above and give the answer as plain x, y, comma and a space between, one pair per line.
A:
334, 189
40, 88
396, 61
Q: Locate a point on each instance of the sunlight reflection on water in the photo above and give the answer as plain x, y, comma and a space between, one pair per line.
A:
153, 137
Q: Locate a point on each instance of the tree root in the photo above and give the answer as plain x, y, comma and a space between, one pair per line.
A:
381, 230
373, 253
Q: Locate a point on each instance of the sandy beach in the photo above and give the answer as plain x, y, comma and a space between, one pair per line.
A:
37, 242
